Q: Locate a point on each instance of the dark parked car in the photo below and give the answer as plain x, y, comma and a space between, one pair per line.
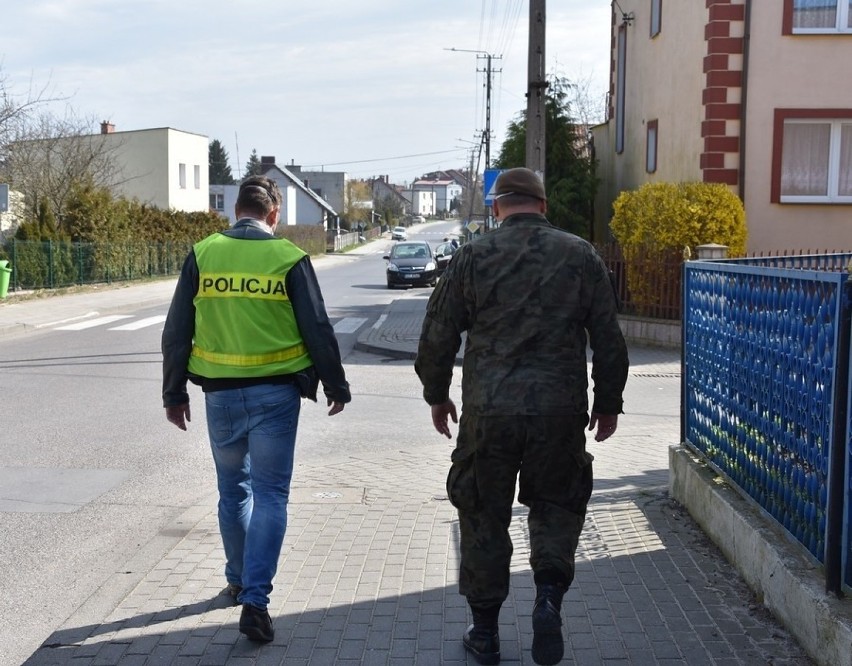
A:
411, 263
443, 253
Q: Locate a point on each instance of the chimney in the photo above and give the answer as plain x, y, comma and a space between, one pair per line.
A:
267, 160
107, 127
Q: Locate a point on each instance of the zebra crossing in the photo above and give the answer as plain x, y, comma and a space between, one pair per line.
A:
342, 326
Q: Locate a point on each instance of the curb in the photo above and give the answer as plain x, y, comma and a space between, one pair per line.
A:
784, 579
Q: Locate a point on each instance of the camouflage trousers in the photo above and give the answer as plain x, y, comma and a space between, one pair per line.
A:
549, 455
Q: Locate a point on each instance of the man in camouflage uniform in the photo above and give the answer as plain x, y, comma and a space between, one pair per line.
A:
528, 295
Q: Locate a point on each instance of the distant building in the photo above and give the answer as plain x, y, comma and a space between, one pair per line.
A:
444, 190
163, 167
300, 205
422, 202
383, 189
328, 185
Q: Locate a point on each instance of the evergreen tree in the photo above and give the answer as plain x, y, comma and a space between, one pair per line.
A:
569, 176
253, 166
219, 168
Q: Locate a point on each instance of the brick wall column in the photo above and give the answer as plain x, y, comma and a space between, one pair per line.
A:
723, 80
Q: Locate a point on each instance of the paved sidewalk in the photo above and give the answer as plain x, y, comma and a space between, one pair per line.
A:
368, 573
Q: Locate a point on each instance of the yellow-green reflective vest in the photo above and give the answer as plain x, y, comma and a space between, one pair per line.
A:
244, 321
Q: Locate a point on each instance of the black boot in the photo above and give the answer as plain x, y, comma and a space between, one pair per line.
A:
547, 647
481, 638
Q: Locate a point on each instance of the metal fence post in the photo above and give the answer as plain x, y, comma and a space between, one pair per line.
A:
837, 466
50, 269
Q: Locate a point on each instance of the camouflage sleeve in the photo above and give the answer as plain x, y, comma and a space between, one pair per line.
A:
440, 336
609, 350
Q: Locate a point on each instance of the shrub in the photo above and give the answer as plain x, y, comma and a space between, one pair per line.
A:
664, 218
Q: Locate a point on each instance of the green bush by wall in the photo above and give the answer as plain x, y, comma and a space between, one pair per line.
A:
665, 218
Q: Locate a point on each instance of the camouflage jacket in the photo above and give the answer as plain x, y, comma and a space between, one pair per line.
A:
528, 295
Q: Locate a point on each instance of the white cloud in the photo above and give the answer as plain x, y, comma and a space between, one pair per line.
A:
322, 82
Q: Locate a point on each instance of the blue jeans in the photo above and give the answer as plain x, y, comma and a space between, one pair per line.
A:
253, 436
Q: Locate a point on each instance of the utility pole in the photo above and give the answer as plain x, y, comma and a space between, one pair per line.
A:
536, 87
488, 75
487, 57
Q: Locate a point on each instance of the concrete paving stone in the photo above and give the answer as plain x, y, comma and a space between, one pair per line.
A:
216, 655
403, 648
109, 654
612, 649
379, 639
194, 646
635, 641
427, 658
406, 629
666, 649
587, 657
329, 638
642, 657
133, 660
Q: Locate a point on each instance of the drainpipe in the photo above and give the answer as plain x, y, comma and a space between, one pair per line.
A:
744, 97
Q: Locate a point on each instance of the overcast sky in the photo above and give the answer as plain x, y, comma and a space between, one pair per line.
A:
367, 86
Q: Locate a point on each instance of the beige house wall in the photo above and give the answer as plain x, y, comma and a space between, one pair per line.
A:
693, 78
784, 72
658, 87
149, 162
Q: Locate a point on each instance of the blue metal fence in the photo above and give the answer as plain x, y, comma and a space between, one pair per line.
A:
766, 391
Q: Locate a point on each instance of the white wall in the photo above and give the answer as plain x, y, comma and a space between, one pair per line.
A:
148, 164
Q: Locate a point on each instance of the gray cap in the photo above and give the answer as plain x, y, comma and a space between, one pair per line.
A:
519, 181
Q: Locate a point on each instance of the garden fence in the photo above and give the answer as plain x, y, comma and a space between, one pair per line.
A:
766, 391
53, 264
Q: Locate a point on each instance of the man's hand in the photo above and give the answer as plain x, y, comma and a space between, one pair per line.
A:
336, 407
607, 424
179, 415
439, 417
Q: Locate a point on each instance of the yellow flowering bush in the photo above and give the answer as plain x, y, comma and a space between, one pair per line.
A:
661, 219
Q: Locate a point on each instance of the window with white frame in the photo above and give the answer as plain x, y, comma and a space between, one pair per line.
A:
217, 201
196, 173
816, 161
821, 16
656, 17
182, 175
651, 146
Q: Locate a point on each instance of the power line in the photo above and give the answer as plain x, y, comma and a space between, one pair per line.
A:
380, 159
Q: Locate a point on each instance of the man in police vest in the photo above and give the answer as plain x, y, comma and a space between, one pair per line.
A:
248, 324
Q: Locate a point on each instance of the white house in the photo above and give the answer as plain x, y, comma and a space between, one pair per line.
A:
444, 189
300, 205
422, 202
164, 167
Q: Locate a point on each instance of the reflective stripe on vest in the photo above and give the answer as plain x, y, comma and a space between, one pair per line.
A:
247, 361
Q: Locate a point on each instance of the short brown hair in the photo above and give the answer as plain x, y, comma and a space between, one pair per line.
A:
258, 196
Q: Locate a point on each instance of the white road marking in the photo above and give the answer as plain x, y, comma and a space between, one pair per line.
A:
100, 321
51, 324
349, 324
140, 323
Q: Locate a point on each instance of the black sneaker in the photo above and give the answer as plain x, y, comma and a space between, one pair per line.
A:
256, 624
483, 642
547, 646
